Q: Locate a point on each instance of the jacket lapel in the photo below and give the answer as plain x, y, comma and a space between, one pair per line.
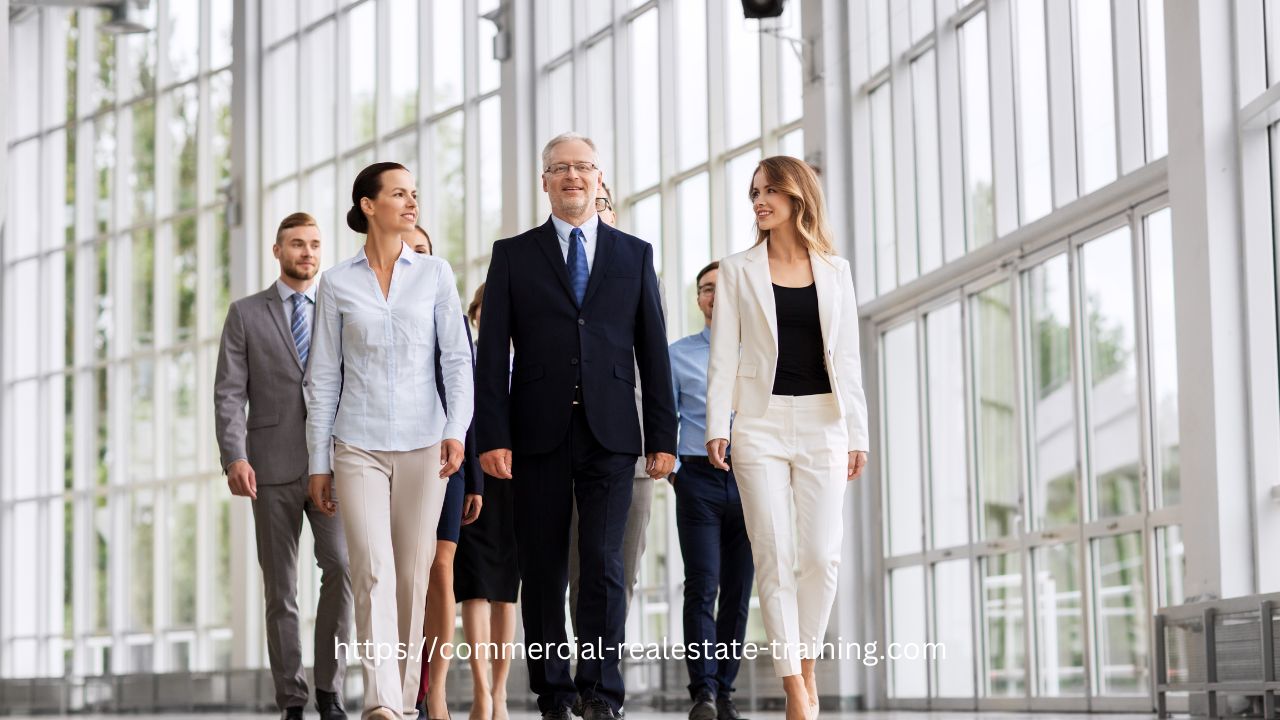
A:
824, 280
761, 282
275, 308
605, 243
550, 245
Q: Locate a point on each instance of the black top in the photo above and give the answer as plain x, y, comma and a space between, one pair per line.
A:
801, 369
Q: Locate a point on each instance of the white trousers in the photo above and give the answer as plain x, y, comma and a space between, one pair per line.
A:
390, 504
795, 456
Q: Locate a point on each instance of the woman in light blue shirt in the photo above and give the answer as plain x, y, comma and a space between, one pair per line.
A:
377, 432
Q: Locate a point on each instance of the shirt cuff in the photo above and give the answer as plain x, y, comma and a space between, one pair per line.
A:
321, 463
454, 431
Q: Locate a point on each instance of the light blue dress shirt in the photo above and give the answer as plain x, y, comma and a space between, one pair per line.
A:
286, 297
689, 358
589, 229
371, 381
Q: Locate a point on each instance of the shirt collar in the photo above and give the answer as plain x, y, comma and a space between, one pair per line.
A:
286, 292
706, 334
588, 228
407, 254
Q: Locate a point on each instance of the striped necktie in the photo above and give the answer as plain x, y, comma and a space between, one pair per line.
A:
300, 328
577, 262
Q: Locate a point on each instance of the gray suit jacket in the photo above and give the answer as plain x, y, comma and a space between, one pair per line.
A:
258, 365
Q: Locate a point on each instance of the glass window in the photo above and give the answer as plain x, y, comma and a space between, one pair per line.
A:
362, 85
220, 41
559, 35
102, 550
742, 77
220, 144
142, 528
446, 49
22, 325
186, 274
645, 220
877, 29
1171, 567
791, 77
1051, 416
183, 428
599, 14
279, 19
691, 83
142, 169
948, 473
738, 176
921, 19
185, 106
1157, 92
924, 113
792, 143
23, 225
1164, 357
645, 102
320, 190
1004, 626
141, 51
104, 80
999, 509
490, 69
319, 50
1034, 170
144, 287
600, 121
24, 466
907, 627
449, 195
182, 522
23, 108
313, 10
403, 73
490, 172
142, 431
560, 103
280, 155
1122, 617
976, 100
221, 581
1059, 621
1112, 392
104, 163
25, 609
1096, 95
882, 190
953, 629
693, 201
902, 484
184, 40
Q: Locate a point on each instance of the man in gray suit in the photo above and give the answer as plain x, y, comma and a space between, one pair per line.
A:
262, 362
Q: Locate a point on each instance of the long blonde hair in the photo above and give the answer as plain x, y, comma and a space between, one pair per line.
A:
798, 181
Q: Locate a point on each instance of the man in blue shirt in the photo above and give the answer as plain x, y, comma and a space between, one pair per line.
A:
713, 535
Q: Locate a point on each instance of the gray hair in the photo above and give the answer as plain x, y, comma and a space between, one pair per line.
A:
564, 138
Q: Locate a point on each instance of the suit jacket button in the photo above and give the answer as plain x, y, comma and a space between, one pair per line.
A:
304, 383
574, 361
581, 321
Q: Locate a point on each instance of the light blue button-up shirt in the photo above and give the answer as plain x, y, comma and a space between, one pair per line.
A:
689, 359
286, 298
371, 381
590, 229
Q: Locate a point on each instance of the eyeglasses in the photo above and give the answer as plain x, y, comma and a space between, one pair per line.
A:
561, 168
707, 290
603, 204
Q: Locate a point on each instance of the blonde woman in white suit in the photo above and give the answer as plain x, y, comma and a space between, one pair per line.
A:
784, 358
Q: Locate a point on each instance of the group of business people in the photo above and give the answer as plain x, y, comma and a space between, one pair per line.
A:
362, 395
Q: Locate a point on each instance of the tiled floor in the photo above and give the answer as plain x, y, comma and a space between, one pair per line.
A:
650, 715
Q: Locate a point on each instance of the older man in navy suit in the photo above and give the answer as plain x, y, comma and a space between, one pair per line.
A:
578, 302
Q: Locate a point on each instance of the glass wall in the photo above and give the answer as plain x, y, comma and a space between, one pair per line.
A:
116, 274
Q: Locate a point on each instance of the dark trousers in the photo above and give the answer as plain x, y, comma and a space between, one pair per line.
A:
277, 519
717, 558
546, 486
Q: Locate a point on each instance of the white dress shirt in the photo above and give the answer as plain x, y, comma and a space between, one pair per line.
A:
371, 381
588, 228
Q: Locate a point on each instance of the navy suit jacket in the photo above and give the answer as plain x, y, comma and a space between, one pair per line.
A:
529, 306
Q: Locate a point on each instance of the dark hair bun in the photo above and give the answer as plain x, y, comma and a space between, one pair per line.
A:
357, 221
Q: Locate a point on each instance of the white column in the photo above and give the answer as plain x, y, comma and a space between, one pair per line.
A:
243, 219
1204, 193
519, 75
4, 208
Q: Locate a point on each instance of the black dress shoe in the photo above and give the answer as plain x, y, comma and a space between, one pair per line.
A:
593, 708
292, 713
329, 705
726, 710
422, 709
560, 712
704, 707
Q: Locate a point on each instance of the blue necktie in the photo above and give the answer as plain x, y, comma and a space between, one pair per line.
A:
577, 262
298, 326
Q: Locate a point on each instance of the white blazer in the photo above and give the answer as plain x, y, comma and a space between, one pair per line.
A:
744, 341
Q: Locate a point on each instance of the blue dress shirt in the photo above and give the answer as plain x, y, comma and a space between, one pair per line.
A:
689, 358
589, 230
371, 380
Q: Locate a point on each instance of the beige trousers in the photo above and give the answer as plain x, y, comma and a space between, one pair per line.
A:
389, 503
795, 456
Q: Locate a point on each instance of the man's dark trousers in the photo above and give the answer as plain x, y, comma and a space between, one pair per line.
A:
601, 483
717, 558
